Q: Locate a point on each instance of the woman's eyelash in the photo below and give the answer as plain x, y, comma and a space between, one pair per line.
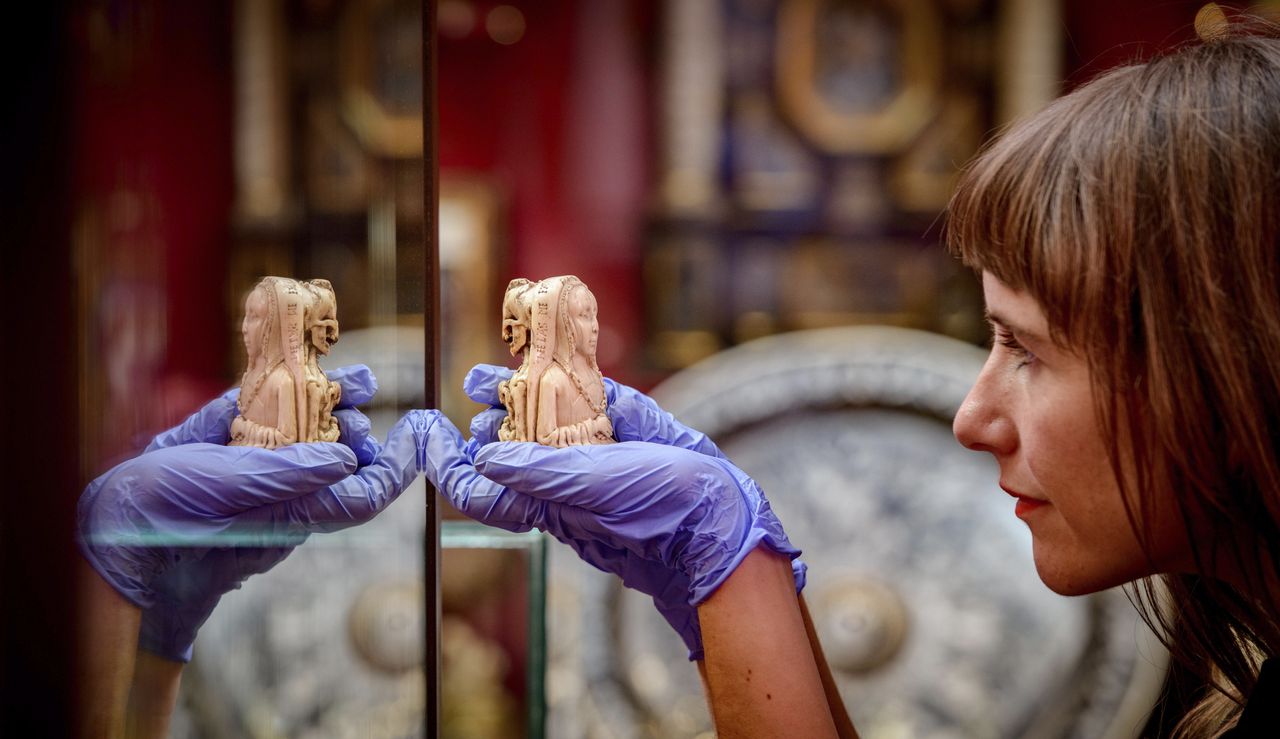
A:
1009, 341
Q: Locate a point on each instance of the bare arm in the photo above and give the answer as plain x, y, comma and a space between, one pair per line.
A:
839, 714
108, 647
123, 691
153, 697
760, 666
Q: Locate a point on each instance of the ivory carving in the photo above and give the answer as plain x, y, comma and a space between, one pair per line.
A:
285, 397
556, 397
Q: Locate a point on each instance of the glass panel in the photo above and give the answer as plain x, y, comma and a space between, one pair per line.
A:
327, 144
470, 547
216, 144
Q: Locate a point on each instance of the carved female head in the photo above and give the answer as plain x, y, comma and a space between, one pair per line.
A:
580, 327
257, 324
272, 310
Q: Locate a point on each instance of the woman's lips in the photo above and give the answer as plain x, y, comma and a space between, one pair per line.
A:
1026, 504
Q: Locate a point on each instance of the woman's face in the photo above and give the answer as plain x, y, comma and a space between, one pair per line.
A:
582, 316
255, 316
1032, 409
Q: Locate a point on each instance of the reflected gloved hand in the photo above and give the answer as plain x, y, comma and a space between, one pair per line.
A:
663, 509
188, 520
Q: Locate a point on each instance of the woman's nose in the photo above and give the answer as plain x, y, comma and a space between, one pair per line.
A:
984, 422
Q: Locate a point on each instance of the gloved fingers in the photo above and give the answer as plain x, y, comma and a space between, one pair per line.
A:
357, 382
363, 495
211, 424
447, 465
606, 478
481, 383
637, 417
209, 480
799, 571
441, 449
353, 430
485, 425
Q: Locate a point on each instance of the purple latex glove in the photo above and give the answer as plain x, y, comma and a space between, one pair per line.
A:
174, 529
634, 415
664, 510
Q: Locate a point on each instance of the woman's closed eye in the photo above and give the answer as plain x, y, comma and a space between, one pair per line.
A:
1010, 342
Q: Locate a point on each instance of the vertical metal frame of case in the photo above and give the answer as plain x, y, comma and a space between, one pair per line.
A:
431, 363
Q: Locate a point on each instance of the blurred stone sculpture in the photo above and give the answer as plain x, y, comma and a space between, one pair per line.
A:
285, 397
557, 396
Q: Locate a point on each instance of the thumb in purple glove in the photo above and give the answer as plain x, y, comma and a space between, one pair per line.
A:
212, 423
634, 415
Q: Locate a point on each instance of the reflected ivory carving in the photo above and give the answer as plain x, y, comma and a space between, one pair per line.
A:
556, 397
285, 397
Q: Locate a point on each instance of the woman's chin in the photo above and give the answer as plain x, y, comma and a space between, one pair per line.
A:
1074, 577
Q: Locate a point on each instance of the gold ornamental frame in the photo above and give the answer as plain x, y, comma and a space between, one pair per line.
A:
896, 124
381, 131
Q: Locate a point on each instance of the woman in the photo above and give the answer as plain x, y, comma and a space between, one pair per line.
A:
1133, 398
1128, 240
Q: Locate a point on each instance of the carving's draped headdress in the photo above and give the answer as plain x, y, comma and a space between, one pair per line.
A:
282, 333
550, 338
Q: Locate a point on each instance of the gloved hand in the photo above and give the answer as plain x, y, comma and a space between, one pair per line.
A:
175, 528
671, 521
634, 415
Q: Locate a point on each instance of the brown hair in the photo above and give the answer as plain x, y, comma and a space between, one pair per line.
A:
1142, 212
